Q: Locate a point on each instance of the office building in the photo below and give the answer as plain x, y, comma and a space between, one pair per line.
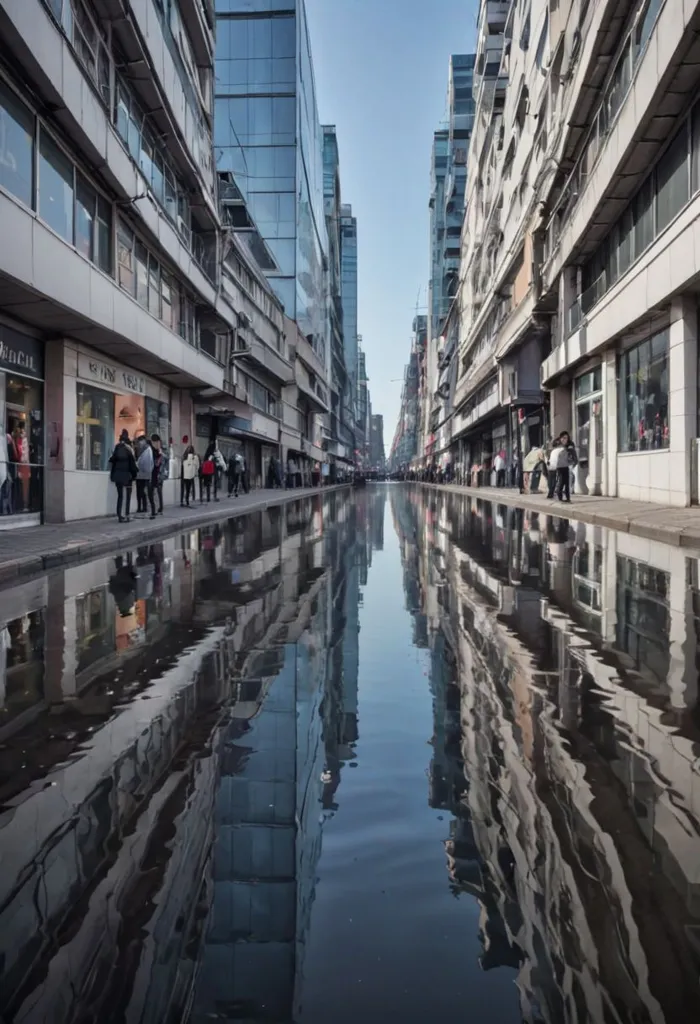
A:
376, 449
268, 139
348, 272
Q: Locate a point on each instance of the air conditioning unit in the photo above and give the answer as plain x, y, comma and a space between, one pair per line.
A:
244, 321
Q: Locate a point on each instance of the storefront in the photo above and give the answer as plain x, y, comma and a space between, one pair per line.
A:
22, 442
109, 398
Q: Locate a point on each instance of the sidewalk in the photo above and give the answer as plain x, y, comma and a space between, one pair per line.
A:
27, 552
677, 526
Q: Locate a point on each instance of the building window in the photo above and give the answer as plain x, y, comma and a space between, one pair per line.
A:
94, 440
56, 188
17, 131
672, 186
85, 218
643, 396
125, 258
158, 419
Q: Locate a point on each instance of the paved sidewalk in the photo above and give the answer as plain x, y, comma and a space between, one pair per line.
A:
677, 526
35, 549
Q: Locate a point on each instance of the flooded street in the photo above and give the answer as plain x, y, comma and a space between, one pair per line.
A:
388, 755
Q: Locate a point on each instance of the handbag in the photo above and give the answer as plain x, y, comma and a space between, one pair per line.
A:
208, 468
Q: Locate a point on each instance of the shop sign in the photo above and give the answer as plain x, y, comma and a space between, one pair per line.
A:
103, 373
232, 425
21, 354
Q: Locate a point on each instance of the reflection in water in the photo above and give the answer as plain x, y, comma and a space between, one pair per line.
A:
564, 672
168, 718
182, 838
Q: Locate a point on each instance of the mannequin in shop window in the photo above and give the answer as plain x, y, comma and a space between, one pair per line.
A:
23, 469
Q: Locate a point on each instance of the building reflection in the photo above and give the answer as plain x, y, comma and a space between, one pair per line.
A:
171, 716
575, 824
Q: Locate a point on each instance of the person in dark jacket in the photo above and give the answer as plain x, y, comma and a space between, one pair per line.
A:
161, 469
123, 473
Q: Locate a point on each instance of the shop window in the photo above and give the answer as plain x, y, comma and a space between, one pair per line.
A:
672, 191
95, 436
16, 147
643, 396
158, 419
56, 188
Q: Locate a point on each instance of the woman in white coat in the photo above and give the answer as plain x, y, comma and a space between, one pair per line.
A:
190, 472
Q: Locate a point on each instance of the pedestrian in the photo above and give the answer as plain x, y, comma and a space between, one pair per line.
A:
144, 479
190, 472
161, 469
568, 460
499, 464
291, 472
233, 473
209, 474
272, 473
552, 463
183, 481
123, 473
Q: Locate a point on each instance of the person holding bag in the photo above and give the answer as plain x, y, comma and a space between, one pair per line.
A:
209, 473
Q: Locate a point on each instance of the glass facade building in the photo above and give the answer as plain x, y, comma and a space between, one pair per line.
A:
268, 136
348, 273
449, 180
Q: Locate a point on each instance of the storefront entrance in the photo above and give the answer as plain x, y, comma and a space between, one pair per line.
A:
22, 441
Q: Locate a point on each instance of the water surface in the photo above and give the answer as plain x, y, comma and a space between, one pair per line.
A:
388, 756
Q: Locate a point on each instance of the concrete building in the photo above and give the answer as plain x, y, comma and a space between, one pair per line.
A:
576, 307
110, 293
447, 199
404, 447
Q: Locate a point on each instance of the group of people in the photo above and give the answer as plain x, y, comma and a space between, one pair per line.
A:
210, 472
146, 462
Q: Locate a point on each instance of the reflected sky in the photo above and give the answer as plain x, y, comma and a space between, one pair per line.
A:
389, 756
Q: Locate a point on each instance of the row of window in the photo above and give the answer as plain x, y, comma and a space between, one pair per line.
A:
613, 98
81, 28
661, 197
259, 396
145, 279
35, 170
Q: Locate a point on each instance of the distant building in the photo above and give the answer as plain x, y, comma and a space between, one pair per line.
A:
376, 443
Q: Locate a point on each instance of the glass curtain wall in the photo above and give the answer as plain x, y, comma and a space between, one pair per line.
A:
255, 123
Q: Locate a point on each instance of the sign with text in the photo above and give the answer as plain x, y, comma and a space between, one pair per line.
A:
99, 372
21, 354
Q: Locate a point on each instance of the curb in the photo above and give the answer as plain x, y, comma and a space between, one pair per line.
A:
72, 552
680, 537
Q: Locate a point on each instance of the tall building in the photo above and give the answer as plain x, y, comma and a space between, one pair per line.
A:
447, 201
363, 407
376, 449
348, 269
268, 139
341, 440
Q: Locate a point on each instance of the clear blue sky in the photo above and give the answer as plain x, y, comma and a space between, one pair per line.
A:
381, 77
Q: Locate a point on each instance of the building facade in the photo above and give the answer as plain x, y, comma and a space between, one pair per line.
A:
576, 305
348, 271
112, 316
376, 445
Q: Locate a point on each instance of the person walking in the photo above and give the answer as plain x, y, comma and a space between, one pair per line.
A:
233, 473
209, 474
190, 472
552, 464
183, 481
161, 470
123, 473
568, 460
144, 479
